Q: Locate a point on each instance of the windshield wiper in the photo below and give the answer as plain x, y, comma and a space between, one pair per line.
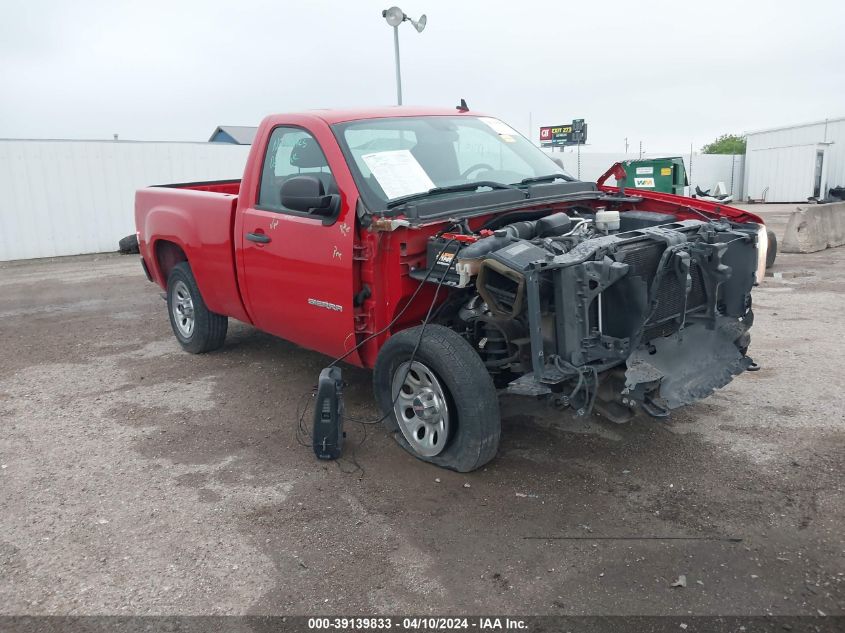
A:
547, 178
466, 186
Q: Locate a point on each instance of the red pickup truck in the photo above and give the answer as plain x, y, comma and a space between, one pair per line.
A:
448, 253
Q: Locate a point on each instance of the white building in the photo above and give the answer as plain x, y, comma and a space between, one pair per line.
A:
796, 162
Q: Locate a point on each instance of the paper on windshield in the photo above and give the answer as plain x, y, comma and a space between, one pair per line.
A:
398, 173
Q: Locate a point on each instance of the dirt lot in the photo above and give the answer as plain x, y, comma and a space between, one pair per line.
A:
137, 479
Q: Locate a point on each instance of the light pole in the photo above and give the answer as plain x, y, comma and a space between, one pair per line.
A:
394, 16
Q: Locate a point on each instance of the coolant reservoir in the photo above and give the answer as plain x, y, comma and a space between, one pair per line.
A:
607, 221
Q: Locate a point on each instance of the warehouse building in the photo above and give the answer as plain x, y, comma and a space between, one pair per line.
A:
794, 163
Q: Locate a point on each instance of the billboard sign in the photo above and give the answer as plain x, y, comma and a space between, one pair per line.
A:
574, 133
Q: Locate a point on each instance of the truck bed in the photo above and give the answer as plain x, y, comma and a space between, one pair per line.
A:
197, 219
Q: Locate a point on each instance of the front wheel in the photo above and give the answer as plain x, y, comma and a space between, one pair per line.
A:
197, 328
440, 403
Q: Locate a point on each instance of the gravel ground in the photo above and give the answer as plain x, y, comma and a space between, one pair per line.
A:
137, 479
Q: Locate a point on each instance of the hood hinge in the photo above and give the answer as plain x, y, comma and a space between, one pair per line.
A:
363, 318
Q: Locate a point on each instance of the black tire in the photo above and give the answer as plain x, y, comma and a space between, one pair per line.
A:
772, 251
208, 331
475, 426
128, 244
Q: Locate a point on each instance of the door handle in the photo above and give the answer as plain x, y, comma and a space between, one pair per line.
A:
261, 238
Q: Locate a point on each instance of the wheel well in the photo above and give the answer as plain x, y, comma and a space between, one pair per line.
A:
168, 255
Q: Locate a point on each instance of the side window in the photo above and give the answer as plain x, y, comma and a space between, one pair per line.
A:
291, 152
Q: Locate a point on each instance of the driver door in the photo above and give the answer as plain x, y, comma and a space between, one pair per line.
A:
296, 270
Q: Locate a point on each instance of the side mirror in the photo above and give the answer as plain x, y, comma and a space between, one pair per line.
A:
308, 195
558, 161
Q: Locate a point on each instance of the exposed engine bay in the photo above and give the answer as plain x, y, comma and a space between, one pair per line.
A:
594, 308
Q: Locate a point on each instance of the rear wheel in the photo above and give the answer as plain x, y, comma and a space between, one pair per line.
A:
128, 244
441, 406
197, 328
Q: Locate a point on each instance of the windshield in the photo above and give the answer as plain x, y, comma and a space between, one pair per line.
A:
398, 157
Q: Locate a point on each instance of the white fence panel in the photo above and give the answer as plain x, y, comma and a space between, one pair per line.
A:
75, 197
704, 170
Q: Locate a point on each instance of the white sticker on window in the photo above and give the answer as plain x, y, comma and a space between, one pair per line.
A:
398, 173
498, 126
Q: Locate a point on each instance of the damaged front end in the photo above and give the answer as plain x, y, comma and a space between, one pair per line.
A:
655, 317
672, 303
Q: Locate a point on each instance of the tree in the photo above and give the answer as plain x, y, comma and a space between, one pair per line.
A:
725, 144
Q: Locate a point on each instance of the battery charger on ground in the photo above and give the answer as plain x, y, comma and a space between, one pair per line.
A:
327, 434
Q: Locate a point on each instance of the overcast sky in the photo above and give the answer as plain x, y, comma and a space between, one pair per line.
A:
664, 73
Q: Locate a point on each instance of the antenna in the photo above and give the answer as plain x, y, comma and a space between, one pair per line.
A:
462, 106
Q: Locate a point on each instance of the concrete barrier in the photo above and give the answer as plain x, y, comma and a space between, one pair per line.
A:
815, 228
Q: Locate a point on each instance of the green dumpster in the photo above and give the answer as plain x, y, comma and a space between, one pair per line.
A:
667, 175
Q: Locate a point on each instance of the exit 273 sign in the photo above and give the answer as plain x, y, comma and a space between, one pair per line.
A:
569, 134
551, 133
